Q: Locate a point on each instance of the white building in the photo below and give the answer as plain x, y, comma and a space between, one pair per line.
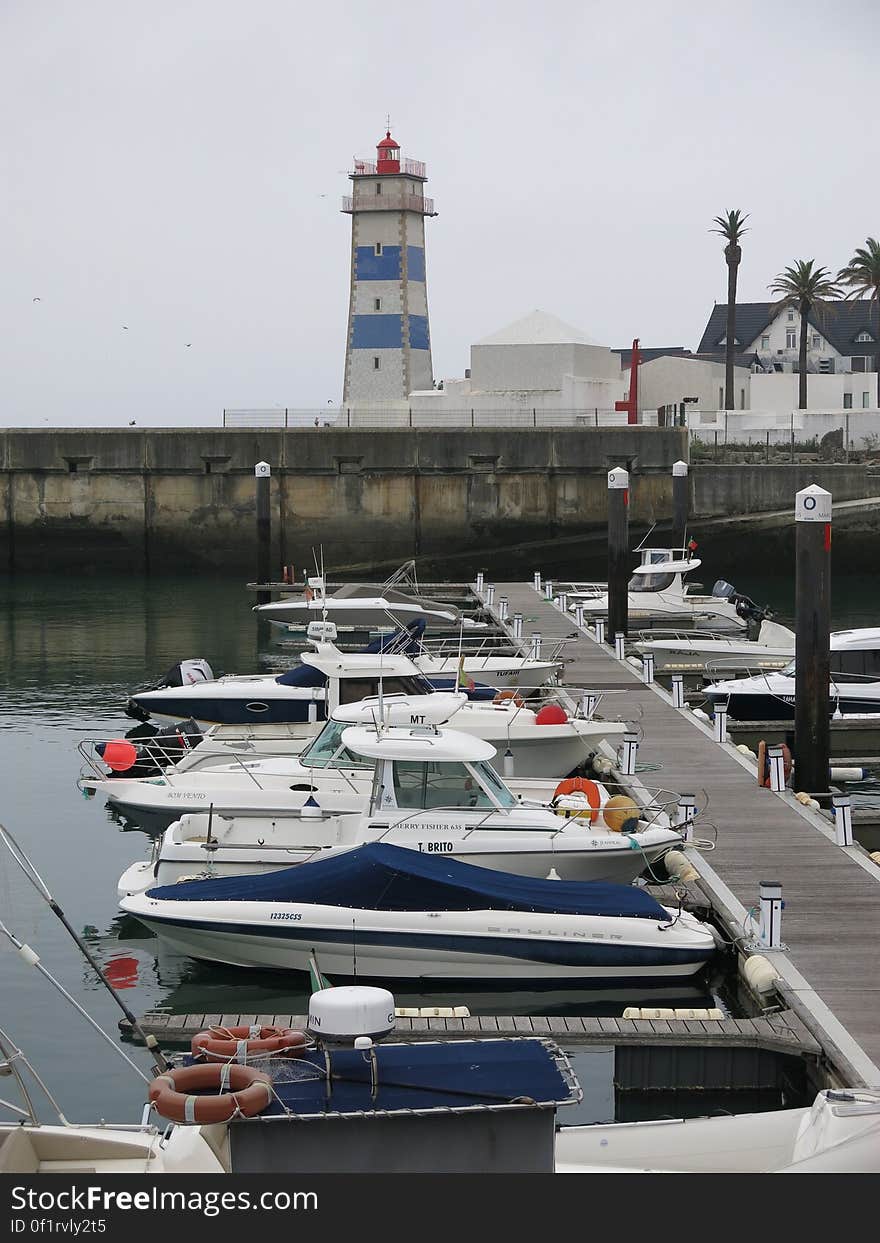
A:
537, 363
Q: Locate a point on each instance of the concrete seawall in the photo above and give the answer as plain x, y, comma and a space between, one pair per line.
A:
175, 498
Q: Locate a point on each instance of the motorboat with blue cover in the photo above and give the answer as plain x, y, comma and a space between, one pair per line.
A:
421, 786
327, 676
384, 912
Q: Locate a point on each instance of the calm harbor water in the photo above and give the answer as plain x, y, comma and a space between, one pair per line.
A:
71, 649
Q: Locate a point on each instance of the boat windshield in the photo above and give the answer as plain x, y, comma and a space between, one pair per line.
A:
353, 690
421, 786
650, 582
328, 751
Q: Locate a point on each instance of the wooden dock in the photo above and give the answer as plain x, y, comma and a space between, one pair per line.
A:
665, 1055
831, 894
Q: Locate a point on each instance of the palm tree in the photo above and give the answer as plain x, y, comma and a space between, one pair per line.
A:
730, 226
807, 289
862, 273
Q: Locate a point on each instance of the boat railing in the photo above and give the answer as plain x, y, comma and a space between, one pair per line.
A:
680, 634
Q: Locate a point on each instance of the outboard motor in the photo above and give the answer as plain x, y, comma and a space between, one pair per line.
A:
184, 673
753, 614
153, 749
723, 590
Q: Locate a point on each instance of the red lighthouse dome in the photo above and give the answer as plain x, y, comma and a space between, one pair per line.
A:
388, 155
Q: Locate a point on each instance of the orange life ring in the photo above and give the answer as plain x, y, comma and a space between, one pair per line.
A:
243, 1090
580, 785
236, 1044
513, 697
764, 764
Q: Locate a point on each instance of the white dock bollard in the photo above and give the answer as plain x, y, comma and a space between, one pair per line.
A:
629, 752
589, 703
720, 723
677, 690
777, 769
685, 813
843, 829
548, 590
579, 616
648, 668
770, 929
619, 648
502, 608
536, 646
490, 595
536, 580
517, 625
479, 582
600, 630
562, 601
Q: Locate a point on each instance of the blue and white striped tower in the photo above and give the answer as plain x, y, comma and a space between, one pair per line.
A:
388, 349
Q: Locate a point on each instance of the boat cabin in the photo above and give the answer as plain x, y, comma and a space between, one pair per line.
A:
422, 768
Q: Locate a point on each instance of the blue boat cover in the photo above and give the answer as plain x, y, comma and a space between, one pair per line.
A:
379, 877
302, 675
405, 642
435, 1075
307, 675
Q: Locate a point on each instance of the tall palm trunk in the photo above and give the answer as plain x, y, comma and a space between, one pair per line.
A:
802, 358
732, 254
877, 351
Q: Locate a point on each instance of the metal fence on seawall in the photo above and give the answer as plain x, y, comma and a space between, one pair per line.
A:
337, 417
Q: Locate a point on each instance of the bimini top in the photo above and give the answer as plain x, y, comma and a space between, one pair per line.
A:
442, 746
379, 877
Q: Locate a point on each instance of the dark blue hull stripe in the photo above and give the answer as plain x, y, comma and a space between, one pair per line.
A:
236, 711
562, 953
772, 708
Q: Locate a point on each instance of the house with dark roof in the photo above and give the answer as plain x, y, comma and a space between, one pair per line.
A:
842, 336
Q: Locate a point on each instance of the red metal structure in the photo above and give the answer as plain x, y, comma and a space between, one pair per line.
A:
388, 155
631, 405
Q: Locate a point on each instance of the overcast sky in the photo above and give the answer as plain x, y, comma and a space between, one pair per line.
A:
171, 175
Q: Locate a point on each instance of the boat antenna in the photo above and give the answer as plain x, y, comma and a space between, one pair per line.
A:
641, 544
33, 960
39, 884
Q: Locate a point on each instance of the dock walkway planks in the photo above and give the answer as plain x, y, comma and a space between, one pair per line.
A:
831, 919
781, 1032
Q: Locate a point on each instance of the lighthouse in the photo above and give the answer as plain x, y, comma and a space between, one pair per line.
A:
388, 347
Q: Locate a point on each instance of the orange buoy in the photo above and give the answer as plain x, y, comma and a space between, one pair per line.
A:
119, 755
621, 814
243, 1090
551, 714
236, 1044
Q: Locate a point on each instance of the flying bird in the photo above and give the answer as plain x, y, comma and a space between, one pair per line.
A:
125, 327
189, 345
36, 299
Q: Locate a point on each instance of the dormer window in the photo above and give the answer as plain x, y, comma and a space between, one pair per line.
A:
864, 336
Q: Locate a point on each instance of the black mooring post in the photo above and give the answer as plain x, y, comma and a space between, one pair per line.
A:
618, 553
812, 708
679, 504
263, 474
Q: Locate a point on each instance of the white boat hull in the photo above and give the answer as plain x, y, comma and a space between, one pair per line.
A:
435, 945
